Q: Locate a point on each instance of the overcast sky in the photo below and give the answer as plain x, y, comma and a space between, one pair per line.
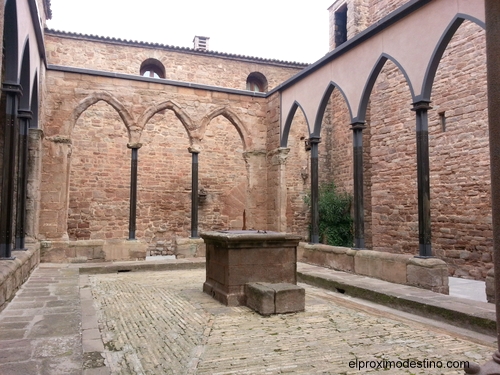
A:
289, 30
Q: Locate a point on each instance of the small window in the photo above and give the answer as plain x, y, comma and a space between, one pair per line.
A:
256, 82
341, 25
152, 68
442, 120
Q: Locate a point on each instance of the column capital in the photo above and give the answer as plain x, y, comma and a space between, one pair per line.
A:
25, 114
134, 145
314, 139
12, 87
422, 104
360, 125
194, 150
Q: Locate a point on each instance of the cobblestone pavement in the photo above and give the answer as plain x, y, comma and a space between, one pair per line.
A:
162, 323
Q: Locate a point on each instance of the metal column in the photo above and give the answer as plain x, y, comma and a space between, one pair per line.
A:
22, 178
314, 142
12, 92
194, 192
359, 217
133, 193
424, 203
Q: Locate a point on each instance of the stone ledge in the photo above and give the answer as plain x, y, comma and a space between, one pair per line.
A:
430, 273
13, 273
189, 247
278, 298
92, 250
473, 315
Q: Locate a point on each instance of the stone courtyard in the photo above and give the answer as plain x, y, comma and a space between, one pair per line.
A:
160, 322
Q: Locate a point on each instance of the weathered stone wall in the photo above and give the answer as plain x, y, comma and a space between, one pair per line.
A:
459, 157
90, 155
393, 161
90, 120
180, 64
459, 154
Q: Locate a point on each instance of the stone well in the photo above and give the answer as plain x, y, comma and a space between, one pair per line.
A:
235, 258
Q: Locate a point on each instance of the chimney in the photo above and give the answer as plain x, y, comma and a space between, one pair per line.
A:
201, 43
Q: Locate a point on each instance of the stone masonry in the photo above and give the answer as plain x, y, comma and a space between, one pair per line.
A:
95, 107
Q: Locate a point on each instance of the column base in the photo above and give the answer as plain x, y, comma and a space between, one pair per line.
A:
489, 368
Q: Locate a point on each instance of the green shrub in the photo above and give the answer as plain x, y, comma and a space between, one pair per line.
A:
335, 221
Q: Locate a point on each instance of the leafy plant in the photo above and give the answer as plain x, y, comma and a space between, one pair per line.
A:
335, 221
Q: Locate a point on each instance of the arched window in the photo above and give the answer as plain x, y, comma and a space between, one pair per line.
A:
256, 82
152, 68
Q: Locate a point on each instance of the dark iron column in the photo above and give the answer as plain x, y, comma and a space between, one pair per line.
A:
133, 191
12, 92
314, 142
25, 117
194, 192
492, 62
359, 215
424, 203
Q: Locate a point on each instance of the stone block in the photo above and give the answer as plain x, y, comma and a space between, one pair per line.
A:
289, 298
381, 265
430, 273
335, 257
260, 297
124, 250
189, 248
278, 298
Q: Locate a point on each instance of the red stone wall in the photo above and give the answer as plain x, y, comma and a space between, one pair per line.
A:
180, 65
99, 176
459, 157
393, 164
224, 127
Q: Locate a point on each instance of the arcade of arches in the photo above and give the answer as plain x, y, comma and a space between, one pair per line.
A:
134, 141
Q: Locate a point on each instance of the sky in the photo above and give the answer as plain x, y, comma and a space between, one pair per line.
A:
287, 30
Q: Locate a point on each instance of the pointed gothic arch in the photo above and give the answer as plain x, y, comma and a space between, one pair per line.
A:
232, 118
430, 73
90, 100
288, 123
370, 82
324, 102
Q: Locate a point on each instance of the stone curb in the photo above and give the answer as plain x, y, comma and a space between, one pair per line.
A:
477, 316
140, 266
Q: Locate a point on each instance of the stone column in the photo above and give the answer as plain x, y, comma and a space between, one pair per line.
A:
359, 214
194, 191
25, 117
133, 190
278, 159
492, 63
33, 186
423, 183
314, 142
12, 92
257, 185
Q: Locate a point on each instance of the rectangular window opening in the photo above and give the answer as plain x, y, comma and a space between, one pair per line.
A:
442, 120
341, 25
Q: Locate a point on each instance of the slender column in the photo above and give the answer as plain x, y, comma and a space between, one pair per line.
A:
492, 62
359, 215
424, 203
314, 142
22, 178
194, 192
281, 156
12, 91
133, 190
